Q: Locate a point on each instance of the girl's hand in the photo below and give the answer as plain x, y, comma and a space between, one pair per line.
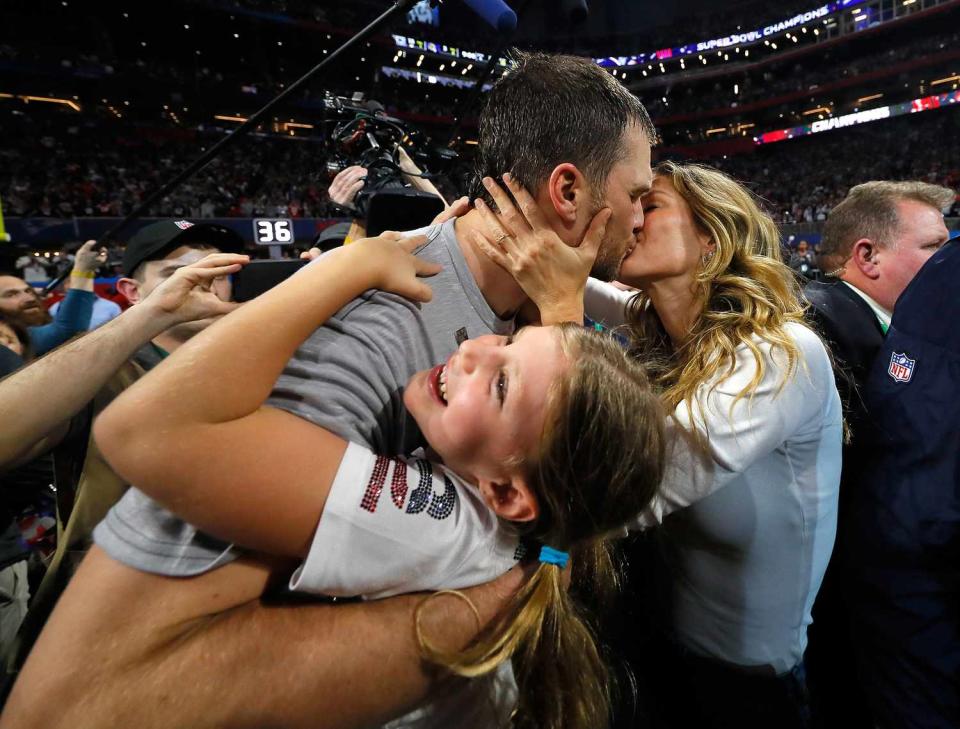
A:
461, 206
551, 273
392, 265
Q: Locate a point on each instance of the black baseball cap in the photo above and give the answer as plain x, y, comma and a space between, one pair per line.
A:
152, 240
332, 236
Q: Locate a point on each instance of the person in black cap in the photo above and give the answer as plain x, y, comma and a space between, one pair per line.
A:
176, 275
159, 250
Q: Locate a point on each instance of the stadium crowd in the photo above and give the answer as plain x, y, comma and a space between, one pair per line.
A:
101, 169
804, 179
793, 77
97, 169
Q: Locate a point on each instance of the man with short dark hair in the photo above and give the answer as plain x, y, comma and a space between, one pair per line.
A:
586, 125
874, 242
348, 376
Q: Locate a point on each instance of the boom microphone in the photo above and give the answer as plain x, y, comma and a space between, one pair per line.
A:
495, 12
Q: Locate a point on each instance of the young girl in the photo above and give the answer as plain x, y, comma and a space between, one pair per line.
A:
554, 429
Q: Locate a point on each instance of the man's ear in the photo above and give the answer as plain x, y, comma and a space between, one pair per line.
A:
130, 288
511, 499
864, 257
568, 192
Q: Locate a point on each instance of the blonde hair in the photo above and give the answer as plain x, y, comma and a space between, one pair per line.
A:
600, 462
745, 291
870, 211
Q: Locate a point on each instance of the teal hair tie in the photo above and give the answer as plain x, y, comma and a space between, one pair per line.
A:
549, 555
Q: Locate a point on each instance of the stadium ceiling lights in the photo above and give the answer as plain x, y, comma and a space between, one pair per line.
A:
44, 99
946, 80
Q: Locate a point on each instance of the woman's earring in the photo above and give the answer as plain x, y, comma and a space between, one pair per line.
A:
707, 257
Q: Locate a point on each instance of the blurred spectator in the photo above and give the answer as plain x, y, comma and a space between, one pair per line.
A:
107, 170
32, 269
14, 588
816, 171
20, 301
803, 261
14, 336
103, 311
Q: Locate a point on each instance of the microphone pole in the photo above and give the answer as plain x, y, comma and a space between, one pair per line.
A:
399, 6
477, 88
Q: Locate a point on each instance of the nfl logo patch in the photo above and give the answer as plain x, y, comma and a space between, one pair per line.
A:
901, 367
183, 224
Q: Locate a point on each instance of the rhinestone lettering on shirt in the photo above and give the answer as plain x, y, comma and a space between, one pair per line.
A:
398, 484
420, 496
423, 497
375, 486
442, 506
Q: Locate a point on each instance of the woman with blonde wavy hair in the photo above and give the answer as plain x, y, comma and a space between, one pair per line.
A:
746, 512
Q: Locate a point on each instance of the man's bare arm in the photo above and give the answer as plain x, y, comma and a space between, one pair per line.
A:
37, 401
126, 648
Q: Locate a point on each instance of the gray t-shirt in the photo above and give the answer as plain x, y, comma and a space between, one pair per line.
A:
348, 377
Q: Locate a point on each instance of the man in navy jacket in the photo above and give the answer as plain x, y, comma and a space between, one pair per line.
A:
902, 556
874, 242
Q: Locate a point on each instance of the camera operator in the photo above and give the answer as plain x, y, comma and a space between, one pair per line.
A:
349, 182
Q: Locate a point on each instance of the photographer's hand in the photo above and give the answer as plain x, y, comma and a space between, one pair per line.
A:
88, 259
346, 185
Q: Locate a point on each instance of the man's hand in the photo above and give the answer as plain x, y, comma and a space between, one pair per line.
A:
89, 258
85, 264
347, 184
186, 295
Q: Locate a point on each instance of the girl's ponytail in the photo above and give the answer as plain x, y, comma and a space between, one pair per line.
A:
561, 676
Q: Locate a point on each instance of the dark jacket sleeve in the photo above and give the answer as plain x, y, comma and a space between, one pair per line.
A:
73, 316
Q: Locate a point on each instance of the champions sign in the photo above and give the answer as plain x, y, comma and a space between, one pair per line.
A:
735, 39
925, 103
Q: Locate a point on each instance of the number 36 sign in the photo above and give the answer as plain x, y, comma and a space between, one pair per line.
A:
273, 231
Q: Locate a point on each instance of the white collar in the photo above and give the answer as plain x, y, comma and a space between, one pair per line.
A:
883, 316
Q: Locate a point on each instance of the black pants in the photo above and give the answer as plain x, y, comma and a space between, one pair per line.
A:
678, 689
